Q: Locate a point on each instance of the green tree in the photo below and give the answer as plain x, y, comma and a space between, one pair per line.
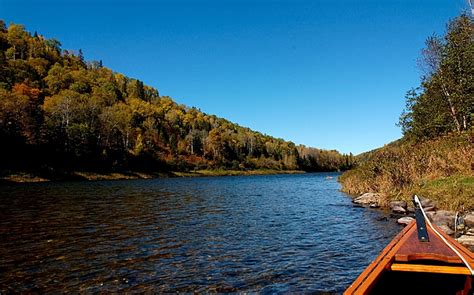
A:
445, 100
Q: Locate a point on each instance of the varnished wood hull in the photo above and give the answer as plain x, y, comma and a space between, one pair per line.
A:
408, 266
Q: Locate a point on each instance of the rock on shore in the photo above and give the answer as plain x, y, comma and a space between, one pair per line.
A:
467, 241
395, 204
443, 217
405, 220
469, 220
368, 199
427, 204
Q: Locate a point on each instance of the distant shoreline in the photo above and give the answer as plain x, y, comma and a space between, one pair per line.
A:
32, 177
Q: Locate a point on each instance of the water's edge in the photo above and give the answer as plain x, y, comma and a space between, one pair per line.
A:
10, 177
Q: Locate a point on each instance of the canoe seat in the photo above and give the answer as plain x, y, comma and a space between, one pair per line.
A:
458, 270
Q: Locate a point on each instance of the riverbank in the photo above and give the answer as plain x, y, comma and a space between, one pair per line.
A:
35, 176
223, 172
440, 169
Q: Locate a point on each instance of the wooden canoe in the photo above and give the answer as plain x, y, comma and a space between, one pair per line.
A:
410, 266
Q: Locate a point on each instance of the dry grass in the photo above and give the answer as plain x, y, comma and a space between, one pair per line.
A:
23, 177
439, 169
224, 172
112, 176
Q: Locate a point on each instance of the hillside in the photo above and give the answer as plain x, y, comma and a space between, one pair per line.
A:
60, 113
435, 157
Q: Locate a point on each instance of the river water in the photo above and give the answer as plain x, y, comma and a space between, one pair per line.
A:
270, 234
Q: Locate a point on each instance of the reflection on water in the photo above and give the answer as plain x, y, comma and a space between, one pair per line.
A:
284, 233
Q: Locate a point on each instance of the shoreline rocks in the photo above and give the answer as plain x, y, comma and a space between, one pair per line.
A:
445, 220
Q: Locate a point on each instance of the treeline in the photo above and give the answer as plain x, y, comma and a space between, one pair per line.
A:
58, 111
435, 157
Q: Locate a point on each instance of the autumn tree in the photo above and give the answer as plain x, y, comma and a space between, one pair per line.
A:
69, 111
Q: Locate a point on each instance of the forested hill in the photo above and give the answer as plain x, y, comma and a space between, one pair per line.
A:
435, 157
59, 111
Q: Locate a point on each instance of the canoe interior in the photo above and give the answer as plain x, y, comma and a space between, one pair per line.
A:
394, 282
408, 266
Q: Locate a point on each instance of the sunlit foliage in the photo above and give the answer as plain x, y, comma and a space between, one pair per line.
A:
59, 110
444, 102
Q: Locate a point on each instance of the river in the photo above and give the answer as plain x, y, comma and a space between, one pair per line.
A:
270, 234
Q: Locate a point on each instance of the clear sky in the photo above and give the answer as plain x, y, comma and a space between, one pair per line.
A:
329, 74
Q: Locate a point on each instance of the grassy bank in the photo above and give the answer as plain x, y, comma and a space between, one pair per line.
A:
440, 169
30, 177
35, 176
223, 172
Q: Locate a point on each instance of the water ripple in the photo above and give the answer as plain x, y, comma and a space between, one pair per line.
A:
271, 234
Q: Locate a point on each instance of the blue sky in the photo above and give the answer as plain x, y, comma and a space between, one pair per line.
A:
328, 74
